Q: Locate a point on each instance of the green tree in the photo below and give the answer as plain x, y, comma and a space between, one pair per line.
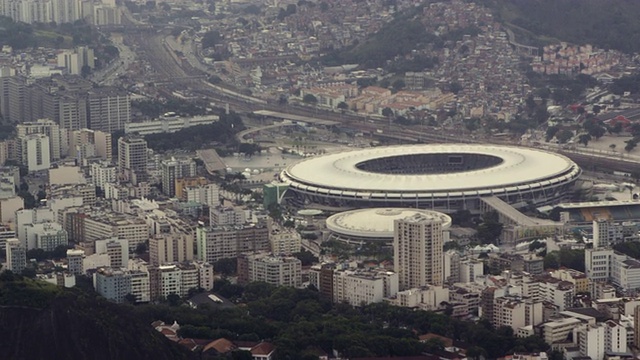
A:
141, 249
85, 71
551, 132
584, 139
306, 257
398, 84
309, 99
455, 87
241, 355
490, 229
564, 136
387, 112
343, 106
130, 299
211, 39
29, 272
173, 299
226, 267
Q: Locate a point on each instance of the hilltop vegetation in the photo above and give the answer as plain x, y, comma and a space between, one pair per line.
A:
610, 24
39, 321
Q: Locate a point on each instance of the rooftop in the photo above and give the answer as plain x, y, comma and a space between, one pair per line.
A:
491, 167
377, 222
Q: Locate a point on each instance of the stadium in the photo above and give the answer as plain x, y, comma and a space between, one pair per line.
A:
439, 177
375, 225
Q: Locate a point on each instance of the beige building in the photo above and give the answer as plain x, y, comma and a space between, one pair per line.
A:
557, 331
123, 227
577, 278
170, 248
417, 251
285, 241
516, 312
275, 270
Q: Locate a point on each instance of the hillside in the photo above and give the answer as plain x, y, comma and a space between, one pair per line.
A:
70, 324
610, 24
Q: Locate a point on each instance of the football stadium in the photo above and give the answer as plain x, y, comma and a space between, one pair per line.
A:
440, 177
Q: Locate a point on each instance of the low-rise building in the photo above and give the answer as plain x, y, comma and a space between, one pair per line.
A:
427, 298
275, 270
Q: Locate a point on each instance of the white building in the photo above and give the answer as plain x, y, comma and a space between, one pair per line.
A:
5, 234
428, 298
417, 251
470, 269
359, 287
559, 330
227, 215
608, 265
591, 340
606, 233
168, 124
116, 284
49, 236
598, 264
16, 256
48, 128
170, 280
8, 208
170, 247
28, 217
100, 142
205, 194
275, 270
103, 173
75, 261
117, 249
34, 152
516, 312
103, 226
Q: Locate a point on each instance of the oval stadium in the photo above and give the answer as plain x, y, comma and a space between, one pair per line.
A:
375, 225
443, 177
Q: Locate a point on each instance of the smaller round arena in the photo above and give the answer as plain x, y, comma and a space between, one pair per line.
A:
375, 225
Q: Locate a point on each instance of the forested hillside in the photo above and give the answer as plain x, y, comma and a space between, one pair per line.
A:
610, 24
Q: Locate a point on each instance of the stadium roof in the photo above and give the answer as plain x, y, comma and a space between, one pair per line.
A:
519, 167
377, 222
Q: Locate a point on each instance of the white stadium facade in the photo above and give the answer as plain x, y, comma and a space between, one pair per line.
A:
441, 177
376, 225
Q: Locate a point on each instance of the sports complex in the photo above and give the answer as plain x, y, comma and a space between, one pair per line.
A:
376, 225
441, 177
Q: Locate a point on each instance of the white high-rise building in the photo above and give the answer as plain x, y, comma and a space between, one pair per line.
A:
417, 251
205, 194
103, 173
34, 152
16, 255
46, 127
